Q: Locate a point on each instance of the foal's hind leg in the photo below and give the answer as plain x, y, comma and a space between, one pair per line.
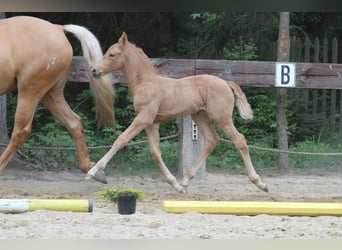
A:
240, 142
55, 102
153, 139
210, 141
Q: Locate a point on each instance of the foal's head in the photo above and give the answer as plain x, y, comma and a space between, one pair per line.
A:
112, 59
120, 54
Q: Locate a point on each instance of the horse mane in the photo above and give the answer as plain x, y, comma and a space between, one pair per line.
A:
141, 54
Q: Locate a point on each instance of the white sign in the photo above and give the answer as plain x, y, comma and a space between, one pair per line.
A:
285, 75
194, 131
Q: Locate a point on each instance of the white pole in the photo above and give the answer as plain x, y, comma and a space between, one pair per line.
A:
12, 206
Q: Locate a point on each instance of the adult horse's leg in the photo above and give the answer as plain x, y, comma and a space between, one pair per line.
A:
26, 105
226, 124
153, 139
210, 141
55, 102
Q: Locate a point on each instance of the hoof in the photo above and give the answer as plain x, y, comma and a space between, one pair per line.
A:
264, 188
99, 176
182, 189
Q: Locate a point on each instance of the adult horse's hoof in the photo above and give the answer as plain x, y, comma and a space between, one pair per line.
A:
99, 176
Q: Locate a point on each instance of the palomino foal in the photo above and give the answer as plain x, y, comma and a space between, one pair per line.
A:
158, 98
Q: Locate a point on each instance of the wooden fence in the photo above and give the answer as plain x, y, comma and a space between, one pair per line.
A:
245, 73
326, 102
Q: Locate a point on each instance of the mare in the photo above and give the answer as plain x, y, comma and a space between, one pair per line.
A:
158, 98
35, 59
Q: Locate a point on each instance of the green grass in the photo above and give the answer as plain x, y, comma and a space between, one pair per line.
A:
136, 159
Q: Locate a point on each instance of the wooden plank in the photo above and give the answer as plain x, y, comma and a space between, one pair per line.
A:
78, 72
235, 67
174, 68
319, 82
319, 69
245, 73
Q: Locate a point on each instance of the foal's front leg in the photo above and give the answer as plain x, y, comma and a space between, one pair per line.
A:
135, 128
153, 139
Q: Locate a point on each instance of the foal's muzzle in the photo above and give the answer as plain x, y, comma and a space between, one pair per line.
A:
96, 73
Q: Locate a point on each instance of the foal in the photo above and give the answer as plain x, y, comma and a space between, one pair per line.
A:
158, 98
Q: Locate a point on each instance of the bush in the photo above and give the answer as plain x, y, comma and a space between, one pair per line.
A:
112, 195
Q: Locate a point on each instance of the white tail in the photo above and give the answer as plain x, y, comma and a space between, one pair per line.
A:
241, 101
102, 88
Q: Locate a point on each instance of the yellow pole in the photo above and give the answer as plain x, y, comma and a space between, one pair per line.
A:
254, 208
61, 205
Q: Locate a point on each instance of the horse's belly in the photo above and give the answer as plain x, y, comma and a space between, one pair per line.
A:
178, 109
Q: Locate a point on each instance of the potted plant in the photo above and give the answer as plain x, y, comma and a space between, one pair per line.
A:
125, 198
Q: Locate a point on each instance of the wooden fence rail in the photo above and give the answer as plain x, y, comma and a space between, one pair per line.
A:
245, 73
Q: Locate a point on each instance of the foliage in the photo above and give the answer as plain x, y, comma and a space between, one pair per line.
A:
51, 136
227, 158
206, 34
305, 161
240, 50
169, 153
11, 104
124, 110
112, 195
262, 127
303, 23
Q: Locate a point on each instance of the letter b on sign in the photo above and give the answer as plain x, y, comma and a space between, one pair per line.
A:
285, 75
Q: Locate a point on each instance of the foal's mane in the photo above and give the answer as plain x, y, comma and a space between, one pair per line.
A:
144, 58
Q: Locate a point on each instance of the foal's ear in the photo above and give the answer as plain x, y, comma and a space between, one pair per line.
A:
123, 39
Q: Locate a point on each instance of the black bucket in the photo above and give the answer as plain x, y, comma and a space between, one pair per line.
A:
127, 204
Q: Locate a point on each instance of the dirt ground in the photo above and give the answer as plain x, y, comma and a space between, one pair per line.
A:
151, 222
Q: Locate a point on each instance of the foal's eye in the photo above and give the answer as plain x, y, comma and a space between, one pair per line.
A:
111, 55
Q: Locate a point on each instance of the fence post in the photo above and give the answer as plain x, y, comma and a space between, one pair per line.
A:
333, 91
307, 49
190, 146
281, 120
315, 91
324, 91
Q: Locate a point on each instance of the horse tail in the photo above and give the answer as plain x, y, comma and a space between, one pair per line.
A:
241, 101
102, 88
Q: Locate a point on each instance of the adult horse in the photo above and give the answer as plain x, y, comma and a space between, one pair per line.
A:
35, 59
158, 98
